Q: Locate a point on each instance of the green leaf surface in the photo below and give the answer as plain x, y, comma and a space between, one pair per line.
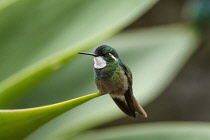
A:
17, 124
151, 131
154, 55
38, 37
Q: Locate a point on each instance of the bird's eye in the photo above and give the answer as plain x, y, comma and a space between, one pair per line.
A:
107, 54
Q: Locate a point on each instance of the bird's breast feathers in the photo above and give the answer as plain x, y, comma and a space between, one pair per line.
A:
116, 83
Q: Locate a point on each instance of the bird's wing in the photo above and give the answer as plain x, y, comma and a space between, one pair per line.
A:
132, 103
129, 92
122, 104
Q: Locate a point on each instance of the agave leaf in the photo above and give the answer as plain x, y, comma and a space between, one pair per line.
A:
38, 37
159, 131
17, 124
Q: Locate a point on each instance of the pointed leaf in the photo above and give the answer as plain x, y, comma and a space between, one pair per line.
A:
17, 124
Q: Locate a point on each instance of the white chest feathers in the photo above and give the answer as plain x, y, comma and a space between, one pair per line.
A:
99, 62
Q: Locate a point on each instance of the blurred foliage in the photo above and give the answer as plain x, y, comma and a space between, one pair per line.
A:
154, 62
39, 43
198, 12
151, 131
50, 32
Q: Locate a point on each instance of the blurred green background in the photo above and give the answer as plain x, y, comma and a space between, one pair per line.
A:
165, 43
186, 98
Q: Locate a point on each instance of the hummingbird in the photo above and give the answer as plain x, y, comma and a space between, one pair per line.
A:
113, 77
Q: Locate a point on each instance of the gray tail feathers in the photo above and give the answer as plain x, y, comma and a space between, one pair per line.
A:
138, 108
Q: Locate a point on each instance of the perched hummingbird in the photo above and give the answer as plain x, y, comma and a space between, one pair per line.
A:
115, 78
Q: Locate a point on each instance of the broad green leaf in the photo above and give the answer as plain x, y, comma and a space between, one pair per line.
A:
17, 124
37, 37
5, 3
154, 55
151, 131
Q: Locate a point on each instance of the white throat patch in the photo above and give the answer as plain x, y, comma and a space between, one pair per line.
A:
99, 62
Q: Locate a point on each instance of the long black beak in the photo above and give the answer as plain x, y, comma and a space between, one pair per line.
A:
92, 54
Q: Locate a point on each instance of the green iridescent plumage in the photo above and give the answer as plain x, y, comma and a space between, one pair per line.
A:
115, 78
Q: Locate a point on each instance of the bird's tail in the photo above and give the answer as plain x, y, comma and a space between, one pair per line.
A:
139, 108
